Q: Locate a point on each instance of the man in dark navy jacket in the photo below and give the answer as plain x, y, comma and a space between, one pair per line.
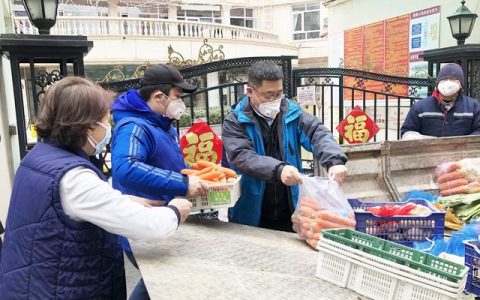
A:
448, 112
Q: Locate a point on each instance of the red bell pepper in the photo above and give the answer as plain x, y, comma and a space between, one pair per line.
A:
406, 209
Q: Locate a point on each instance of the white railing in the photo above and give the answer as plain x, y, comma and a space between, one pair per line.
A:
106, 26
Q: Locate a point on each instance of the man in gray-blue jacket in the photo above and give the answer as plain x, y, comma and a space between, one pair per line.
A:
262, 137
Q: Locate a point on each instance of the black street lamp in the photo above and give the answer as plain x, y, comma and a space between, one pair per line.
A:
461, 24
42, 13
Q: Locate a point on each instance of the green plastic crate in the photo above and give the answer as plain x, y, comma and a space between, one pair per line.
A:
397, 253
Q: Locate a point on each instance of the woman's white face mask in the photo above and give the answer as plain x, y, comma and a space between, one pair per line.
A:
99, 146
448, 87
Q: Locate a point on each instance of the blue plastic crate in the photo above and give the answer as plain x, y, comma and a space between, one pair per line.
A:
472, 261
404, 230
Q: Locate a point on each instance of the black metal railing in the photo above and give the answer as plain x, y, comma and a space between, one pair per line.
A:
212, 102
386, 99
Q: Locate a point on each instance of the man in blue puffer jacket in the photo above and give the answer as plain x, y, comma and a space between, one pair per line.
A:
146, 157
448, 112
262, 137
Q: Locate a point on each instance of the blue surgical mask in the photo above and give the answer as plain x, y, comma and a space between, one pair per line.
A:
99, 146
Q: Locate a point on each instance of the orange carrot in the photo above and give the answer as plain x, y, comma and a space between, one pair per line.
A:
315, 235
188, 171
195, 166
453, 184
309, 202
447, 168
304, 228
333, 217
205, 164
307, 212
324, 224
310, 205
451, 176
204, 171
228, 172
313, 243
474, 190
315, 226
210, 176
457, 190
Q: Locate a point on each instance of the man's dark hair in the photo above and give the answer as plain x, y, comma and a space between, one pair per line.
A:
146, 91
263, 70
70, 107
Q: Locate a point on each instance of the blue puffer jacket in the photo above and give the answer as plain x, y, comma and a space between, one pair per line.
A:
46, 254
429, 117
244, 148
146, 156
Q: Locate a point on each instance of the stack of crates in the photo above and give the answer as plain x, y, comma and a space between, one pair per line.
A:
381, 269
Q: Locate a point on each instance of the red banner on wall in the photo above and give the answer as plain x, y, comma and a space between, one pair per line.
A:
381, 47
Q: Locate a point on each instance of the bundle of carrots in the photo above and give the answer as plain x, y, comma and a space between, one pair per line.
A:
210, 172
308, 220
459, 177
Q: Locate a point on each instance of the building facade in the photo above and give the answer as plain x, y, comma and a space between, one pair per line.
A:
128, 34
131, 32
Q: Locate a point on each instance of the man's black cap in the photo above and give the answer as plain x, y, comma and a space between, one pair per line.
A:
165, 74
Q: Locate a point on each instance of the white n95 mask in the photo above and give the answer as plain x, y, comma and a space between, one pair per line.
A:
448, 87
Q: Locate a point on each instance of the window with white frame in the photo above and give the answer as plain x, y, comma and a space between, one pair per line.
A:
241, 17
200, 13
306, 21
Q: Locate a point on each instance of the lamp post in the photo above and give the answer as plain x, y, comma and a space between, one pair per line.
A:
461, 23
42, 13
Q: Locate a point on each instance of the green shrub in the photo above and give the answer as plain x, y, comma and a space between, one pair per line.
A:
215, 116
186, 120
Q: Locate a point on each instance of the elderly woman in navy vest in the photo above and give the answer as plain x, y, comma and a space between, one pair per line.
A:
448, 112
61, 233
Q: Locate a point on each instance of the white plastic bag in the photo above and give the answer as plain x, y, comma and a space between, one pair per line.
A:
459, 177
321, 205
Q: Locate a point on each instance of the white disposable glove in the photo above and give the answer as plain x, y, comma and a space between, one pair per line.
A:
196, 187
183, 205
413, 135
290, 176
337, 173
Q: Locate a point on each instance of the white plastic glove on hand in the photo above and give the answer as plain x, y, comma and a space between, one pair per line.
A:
337, 173
183, 205
290, 176
196, 187
413, 135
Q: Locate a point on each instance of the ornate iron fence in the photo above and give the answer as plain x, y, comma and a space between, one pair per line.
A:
385, 98
211, 102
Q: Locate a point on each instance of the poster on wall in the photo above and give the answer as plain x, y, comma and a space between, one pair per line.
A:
425, 29
424, 35
306, 95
